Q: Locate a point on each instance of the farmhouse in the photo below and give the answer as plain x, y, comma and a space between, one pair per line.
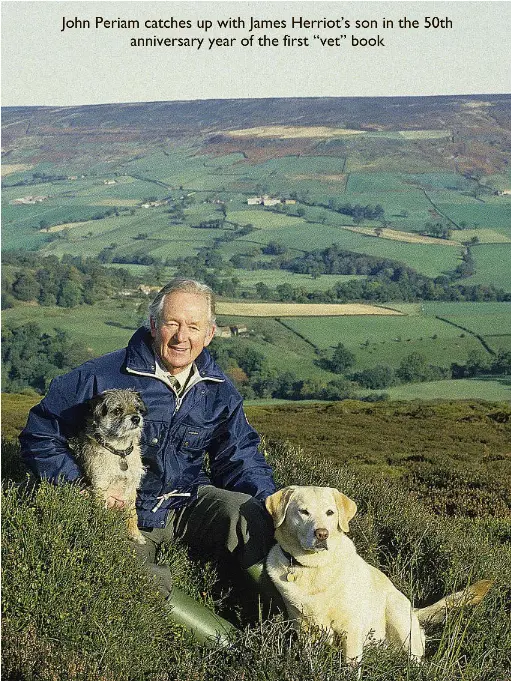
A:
27, 200
147, 290
229, 331
267, 201
223, 332
153, 204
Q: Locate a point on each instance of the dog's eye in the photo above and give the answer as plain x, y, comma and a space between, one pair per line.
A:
330, 512
117, 411
304, 511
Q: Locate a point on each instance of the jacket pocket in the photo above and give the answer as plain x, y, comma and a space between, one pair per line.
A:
153, 436
192, 439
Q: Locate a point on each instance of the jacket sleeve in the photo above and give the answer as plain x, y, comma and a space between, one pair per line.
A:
51, 423
235, 460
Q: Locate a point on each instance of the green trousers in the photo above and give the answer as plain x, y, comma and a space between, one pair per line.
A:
219, 525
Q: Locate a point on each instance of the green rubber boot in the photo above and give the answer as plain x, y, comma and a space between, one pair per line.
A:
204, 625
270, 600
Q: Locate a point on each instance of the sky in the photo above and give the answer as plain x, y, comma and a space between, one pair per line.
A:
67, 53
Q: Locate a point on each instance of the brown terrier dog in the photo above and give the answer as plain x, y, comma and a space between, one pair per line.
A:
109, 449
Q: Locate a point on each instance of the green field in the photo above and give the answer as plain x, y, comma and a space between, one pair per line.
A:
493, 213
184, 171
273, 278
492, 262
430, 260
102, 328
163, 239
203, 173
388, 340
484, 319
264, 219
490, 389
382, 340
289, 344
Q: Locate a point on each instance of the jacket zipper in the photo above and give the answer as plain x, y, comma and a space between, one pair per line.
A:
179, 400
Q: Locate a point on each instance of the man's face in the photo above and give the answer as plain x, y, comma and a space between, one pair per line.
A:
183, 330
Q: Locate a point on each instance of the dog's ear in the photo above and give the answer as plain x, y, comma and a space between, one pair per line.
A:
347, 509
95, 407
276, 504
140, 404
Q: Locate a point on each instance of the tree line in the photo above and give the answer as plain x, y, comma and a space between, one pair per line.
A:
254, 378
31, 359
357, 211
384, 280
66, 283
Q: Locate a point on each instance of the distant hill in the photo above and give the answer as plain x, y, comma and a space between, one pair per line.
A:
393, 112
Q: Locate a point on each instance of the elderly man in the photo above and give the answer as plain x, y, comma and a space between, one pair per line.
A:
193, 408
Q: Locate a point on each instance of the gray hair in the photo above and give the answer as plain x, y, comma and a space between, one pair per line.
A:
188, 286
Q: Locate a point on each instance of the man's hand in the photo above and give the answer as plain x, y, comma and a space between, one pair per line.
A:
115, 502
111, 502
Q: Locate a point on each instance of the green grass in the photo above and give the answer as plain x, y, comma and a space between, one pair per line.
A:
428, 259
103, 327
272, 278
265, 219
494, 213
401, 195
492, 265
282, 348
290, 346
382, 340
499, 323
490, 389
366, 183
480, 311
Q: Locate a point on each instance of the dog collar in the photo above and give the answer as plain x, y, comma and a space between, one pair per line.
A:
123, 453
291, 572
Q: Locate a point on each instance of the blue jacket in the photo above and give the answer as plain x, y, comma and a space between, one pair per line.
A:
176, 433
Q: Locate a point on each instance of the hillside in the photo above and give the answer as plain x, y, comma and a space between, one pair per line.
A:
454, 456
402, 203
431, 483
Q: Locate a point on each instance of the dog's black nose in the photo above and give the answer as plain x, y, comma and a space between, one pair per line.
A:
321, 533
135, 420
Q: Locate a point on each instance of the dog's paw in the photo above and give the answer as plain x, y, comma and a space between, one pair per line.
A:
138, 539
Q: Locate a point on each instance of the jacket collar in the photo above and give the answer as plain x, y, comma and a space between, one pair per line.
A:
140, 357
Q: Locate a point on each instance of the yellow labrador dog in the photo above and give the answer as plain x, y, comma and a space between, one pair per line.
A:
324, 582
